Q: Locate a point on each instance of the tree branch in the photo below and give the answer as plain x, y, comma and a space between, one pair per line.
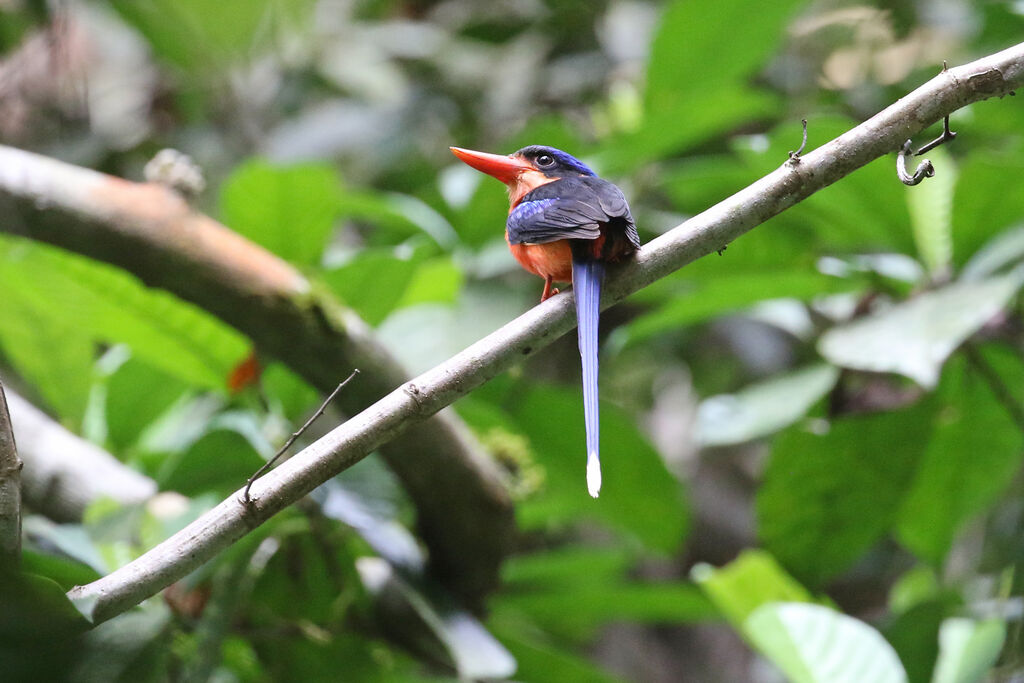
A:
63, 472
153, 233
10, 491
792, 182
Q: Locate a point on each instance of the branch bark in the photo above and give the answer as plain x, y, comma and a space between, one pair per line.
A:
150, 231
794, 181
10, 491
63, 472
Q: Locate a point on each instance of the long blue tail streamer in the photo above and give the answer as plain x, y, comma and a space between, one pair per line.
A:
587, 276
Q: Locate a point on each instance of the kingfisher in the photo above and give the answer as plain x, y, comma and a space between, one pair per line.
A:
564, 224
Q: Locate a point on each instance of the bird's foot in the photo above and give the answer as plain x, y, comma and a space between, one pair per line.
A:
548, 293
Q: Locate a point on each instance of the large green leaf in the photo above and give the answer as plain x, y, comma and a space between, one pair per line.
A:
704, 295
565, 567
136, 394
197, 35
695, 88
38, 625
704, 45
220, 461
572, 591
290, 210
472, 651
914, 634
103, 303
827, 497
579, 611
815, 644
669, 128
763, 408
372, 282
972, 457
968, 649
541, 659
751, 580
1003, 251
376, 281
916, 337
931, 215
54, 356
639, 495
983, 205
436, 280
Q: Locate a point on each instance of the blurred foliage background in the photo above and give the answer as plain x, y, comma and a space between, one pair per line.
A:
812, 442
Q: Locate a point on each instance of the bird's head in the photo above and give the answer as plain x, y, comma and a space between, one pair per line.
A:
526, 169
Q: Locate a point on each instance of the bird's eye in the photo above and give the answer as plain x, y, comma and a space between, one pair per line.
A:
545, 160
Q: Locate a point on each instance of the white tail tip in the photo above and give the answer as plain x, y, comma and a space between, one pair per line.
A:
593, 475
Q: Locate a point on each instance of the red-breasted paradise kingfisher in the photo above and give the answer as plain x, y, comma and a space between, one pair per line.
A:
564, 224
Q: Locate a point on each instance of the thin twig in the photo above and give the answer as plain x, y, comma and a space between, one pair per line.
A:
794, 157
925, 169
996, 384
10, 490
947, 136
288, 444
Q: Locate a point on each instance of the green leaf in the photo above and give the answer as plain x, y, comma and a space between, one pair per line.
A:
916, 337
577, 611
372, 282
127, 647
914, 634
196, 35
295, 396
827, 498
916, 586
815, 644
751, 580
55, 357
968, 649
395, 216
695, 88
540, 659
70, 539
472, 650
290, 210
673, 128
972, 456
704, 295
983, 207
572, 591
1004, 250
220, 461
136, 395
565, 567
763, 408
437, 280
687, 60
106, 304
931, 214
639, 495
34, 607
65, 571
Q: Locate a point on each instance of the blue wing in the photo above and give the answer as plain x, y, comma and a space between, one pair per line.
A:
570, 208
587, 277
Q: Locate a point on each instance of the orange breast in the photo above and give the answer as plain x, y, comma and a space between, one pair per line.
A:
553, 259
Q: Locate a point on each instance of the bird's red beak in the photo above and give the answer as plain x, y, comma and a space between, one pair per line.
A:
507, 169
